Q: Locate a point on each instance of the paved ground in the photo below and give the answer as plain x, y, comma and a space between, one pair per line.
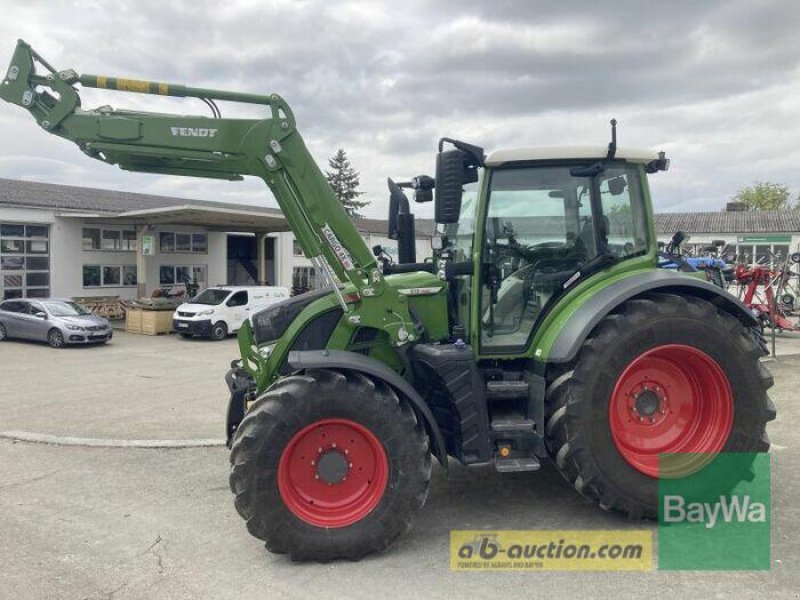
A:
137, 523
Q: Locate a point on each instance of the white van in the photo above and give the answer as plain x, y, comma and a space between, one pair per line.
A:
215, 312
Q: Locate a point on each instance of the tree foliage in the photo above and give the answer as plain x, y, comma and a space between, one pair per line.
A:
765, 195
344, 180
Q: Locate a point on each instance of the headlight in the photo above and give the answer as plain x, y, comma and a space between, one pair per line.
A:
74, 327
208, 311
266, 351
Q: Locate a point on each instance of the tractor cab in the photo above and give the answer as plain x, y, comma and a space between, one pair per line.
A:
530, 224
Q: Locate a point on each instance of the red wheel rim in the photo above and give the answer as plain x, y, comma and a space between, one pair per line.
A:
333, 473
671, 399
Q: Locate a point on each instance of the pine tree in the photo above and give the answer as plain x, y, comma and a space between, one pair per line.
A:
344, 180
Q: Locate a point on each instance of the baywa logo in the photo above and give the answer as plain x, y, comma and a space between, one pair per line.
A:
735, 508
717, 517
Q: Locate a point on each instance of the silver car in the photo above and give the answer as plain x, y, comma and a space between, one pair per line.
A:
57, 322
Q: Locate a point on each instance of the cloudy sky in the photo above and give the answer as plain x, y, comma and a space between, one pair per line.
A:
714, 84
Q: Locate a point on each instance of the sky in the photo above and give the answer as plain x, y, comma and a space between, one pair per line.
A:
714, 84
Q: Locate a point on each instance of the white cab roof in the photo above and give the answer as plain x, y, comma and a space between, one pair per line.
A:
499, 157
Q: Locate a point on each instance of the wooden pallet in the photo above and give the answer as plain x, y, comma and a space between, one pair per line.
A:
109, 307
148, 322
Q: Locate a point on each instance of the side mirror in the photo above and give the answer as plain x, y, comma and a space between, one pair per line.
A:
423, 188
679, 238
616, 185
40, 314
450, 172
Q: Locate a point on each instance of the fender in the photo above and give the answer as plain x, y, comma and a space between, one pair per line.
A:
342, 359
588, 315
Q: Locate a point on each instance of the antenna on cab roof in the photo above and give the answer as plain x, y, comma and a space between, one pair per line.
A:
612, 147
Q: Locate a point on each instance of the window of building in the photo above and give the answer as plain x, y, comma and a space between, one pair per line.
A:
166, 242
182, 243
304, 279
109, 240
109, 275
129, 275
181, 274
199, 242
297, 249
129, 242
112, 275
24, 260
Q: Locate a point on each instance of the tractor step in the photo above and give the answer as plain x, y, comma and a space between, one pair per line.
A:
499, 390
512, 423
515, 464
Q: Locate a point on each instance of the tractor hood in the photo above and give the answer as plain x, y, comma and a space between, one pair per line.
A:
272, 322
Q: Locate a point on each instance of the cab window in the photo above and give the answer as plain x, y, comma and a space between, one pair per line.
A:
238, 299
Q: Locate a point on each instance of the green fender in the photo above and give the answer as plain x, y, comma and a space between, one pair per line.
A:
587, 315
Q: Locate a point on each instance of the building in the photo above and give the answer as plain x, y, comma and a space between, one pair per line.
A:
755, 236
68, 241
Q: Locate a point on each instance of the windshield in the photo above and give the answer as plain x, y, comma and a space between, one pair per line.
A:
211, 296
65, 309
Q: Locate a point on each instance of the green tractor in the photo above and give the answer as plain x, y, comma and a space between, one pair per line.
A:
542, 328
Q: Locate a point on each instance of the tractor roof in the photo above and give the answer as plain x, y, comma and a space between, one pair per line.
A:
499, 157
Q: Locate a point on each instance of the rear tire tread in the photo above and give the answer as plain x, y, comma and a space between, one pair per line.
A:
568, 448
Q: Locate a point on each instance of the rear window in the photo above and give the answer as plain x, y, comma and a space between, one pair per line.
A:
15, 306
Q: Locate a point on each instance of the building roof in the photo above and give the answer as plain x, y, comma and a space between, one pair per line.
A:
68, 198
637, 155
761, 221
110, 205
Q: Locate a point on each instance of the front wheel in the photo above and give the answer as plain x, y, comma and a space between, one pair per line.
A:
219, 331
3, 333
329, 465
55, 338
663, 375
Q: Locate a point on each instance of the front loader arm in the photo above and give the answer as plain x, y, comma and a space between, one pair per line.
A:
221, 148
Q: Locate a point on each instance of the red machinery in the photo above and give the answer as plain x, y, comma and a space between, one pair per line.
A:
759, 296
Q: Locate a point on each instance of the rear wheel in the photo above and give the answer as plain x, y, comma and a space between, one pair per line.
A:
219, 331
664, 374
55, 338
329, 465
3, 332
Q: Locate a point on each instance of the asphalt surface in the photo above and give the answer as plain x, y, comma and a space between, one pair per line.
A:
87, 522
